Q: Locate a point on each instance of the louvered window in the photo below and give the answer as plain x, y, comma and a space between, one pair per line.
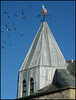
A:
24, 88
31, 86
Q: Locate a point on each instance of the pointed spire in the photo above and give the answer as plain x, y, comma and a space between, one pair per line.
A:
44, 50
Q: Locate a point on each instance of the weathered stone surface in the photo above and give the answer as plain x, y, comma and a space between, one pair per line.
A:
67, 94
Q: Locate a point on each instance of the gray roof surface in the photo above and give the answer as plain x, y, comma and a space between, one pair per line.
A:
44, 50
71, 67
67, 75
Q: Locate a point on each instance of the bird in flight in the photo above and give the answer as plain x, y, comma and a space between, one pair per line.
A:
4, 42
7, 28
22, 12
16, 15
5, 12
2, 47
39, 15
24, 17
21, 33
7, 35
13, 23
5, 25
8, 16
30, 6
10, 44
15, 28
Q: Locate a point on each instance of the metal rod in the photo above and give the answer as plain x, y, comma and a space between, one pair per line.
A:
43, 17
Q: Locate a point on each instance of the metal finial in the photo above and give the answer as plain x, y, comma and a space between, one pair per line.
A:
44, 12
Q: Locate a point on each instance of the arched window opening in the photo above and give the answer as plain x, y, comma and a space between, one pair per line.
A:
24, 88
31, 86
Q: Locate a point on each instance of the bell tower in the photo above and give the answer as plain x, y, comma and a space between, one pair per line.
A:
40, 63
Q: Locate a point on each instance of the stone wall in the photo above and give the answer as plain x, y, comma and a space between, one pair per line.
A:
66, 94
72, 93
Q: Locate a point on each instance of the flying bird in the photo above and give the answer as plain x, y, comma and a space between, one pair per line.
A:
2, 47
5, 25
21, 33
39, 15
13, 23
8, 16
5, 12
7, 35
16, 15
4, 42
22, 12
7, 28
10, 44
30, 6
15, 28
24, 17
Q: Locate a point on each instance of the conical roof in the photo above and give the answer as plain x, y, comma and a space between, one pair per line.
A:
44, 50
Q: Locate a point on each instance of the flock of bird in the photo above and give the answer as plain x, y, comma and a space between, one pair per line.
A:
14, 27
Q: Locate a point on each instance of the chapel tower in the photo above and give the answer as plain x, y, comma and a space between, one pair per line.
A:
43, 58
41, 62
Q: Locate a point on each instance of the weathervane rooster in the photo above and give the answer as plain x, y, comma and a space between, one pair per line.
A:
44, 12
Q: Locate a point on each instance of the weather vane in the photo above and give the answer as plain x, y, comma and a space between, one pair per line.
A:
44, 12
